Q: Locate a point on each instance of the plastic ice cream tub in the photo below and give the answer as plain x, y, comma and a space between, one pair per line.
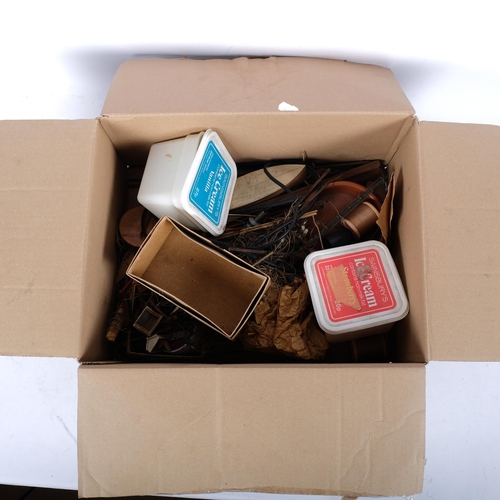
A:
355, 290
191, 180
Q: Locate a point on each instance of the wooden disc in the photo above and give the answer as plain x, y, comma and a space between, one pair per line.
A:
131, 225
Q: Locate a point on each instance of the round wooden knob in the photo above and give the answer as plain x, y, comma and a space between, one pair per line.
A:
135, 225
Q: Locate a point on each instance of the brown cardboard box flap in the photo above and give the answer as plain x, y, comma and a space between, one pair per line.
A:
461, 202
160, 99
166, 86
320, 429
45, 170
51, 215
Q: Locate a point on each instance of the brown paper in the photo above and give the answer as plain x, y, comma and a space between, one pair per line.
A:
259, 333
386, 212
284, 321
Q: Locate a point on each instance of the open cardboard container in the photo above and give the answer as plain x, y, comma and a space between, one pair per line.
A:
294, 428
211, 284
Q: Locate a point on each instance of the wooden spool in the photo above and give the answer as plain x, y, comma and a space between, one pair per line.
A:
361, 219
135, 225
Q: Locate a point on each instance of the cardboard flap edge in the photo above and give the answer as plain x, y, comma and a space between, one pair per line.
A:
41, 260
461, 175
226, 427
245, 84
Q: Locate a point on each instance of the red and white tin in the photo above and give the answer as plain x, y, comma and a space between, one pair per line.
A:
355, 290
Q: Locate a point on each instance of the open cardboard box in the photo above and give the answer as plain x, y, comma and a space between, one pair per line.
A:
294, 428
210, 283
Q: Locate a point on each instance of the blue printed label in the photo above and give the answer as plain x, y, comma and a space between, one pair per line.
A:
209, 188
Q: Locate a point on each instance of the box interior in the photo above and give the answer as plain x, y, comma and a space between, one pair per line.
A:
99, 265
290, 137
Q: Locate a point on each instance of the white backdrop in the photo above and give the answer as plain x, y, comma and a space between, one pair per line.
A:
57, 62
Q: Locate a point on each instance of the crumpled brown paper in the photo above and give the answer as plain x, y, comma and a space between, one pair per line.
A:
284, 321
260, 332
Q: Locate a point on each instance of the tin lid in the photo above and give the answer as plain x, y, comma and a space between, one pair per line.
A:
207, 191
355, 287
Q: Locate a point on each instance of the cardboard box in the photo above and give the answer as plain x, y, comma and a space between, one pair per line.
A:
297, 428
209, 283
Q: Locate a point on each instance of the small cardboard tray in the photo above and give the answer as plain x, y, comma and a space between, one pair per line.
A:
204, 280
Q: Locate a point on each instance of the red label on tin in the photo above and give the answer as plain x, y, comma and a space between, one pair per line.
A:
354, 285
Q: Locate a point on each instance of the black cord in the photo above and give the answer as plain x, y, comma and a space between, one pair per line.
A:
295, 201
290, 223
276, 181
287, 225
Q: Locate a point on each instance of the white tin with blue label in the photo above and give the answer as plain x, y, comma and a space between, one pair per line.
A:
191, 180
